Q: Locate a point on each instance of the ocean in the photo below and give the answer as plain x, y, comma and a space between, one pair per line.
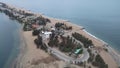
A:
99, 17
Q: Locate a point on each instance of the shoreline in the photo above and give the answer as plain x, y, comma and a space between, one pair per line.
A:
15, 50
22, 50
108, 47
96, 38
107, 56
105, 44
66, 21
79, 26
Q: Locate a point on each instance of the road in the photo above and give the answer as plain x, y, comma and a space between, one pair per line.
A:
66, 58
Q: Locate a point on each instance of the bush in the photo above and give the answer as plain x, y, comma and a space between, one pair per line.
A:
35, 32
36, 41
83, 39
57, 25
99, 62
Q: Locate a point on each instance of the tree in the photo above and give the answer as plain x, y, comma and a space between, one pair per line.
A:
35, 32
83, 39
51, 43
37, 43
58, 25
99, 62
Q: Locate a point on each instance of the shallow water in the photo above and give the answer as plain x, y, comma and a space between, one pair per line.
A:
9, 40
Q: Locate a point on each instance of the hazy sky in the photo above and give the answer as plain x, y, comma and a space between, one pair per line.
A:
90, 5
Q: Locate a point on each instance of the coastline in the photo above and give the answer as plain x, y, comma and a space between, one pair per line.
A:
22, 51
54, 20
109, 48
108, 58
29, 55
100, 43
15, 50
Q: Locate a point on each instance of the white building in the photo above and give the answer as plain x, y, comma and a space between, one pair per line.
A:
46, 35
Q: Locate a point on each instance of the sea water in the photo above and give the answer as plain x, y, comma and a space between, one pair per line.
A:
9, 41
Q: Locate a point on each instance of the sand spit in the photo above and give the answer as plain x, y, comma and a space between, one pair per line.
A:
31, 57
29, 52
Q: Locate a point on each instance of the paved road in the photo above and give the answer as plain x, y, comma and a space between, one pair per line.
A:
84, 57
60, 55
66, 58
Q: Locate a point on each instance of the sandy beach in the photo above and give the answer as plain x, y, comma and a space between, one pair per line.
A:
29, 53
109, 59
97, 43
30, 56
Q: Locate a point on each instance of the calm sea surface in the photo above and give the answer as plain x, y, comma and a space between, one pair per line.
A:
9, 40
100, 17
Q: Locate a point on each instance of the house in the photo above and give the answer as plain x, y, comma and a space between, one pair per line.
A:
46, 35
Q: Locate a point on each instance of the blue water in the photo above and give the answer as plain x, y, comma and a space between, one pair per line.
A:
100, 17
9, 40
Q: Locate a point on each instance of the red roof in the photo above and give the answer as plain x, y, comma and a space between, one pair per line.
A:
35, 26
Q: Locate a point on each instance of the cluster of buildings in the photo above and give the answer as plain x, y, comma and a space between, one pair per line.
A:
35, 22
46, 31
28, 18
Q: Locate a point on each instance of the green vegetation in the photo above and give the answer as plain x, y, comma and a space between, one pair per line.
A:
92, 56
41, 20
83, 39
96, 60
63, 26
35, 32
67, 44
27, 27
58, 25
39, 43
99, 62
38, 21
53, 41
24, 17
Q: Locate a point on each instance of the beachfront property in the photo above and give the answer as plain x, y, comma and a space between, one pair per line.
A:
45, 35
61, 46
52, 33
